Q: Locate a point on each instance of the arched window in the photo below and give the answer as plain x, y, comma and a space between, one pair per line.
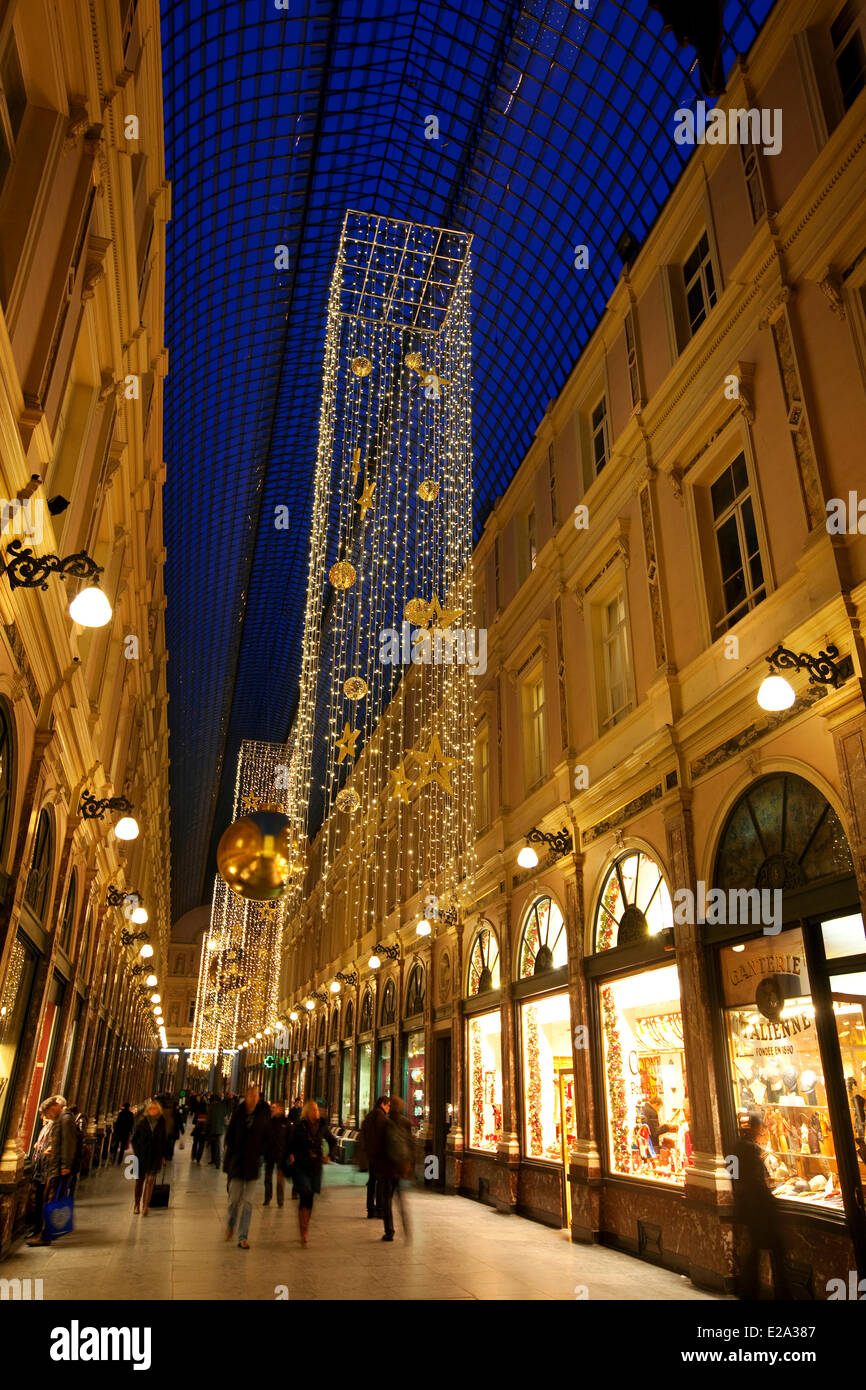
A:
323, 1024
415, 991
544, 945
634, 903
6, 774
85, 947
389, 1004
180, 964
366, 1021
782, 833
335, 1025
484, 962
350, 1019
39, 878
68, 921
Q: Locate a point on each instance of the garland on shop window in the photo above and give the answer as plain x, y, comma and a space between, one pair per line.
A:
477, 1090
533, 1085
615, 1084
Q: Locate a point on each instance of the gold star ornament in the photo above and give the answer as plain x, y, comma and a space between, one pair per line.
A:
346, 742
434, 766
365, 501
402, 784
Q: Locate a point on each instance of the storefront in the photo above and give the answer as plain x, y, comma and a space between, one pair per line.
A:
414, 1048
14, 1006
346, 1065
385, 1051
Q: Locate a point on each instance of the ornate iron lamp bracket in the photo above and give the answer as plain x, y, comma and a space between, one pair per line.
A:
92, 808
26, 570
824, 669
559, 842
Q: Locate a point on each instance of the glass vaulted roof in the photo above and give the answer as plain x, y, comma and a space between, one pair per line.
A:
555, 128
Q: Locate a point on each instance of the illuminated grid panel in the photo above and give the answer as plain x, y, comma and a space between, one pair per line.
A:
555, 129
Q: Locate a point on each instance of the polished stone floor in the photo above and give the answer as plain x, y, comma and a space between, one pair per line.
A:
459, 1250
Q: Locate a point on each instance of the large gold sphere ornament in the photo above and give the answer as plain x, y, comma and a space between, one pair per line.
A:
253, 856
414, 361
347, 800
355, 688
417, 611
362, 366
342, 575
428, 490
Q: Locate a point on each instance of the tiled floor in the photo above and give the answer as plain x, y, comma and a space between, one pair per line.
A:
459, 1250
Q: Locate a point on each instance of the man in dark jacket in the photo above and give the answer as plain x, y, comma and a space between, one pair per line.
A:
122, 1130
275, 1152
198, 1113
246, 1138
395, 1159
755, 1208
56, 1158
369, 1144
215, 1128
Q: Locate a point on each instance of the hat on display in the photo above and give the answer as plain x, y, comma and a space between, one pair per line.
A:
808, 1081
52, 1100
789, 1076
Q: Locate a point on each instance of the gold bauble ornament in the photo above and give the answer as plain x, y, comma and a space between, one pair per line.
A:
342, 575
355, 688
362, 366
253, 855
347, 800
417, 611
428, 490
414, 361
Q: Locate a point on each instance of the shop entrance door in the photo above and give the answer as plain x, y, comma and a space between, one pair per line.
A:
442, 1114
567, 1126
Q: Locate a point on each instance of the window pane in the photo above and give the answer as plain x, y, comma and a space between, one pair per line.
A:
722, 493
644, 1075
844, 936
695, 304
749, 527
728, 541
485, 1081
741, 476
548, 1069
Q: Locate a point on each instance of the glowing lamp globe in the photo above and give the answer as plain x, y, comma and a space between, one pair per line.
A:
424, 928
151, 981
374, 962
293, 1017
336, 986
156, 999
310, 1004
139, 915
253, 856
90, 608
527, 858
146, 951
126, 828
776, 693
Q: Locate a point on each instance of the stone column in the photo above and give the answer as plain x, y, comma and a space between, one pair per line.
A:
508, 1148
848, 727
353, 1076
454, 1141
584, 1172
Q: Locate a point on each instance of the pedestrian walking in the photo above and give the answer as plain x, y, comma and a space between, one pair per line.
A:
246, 1138
148, 1145
369, 1144
276, 1150
295, 1112
306, 1159
172, 1125
199, 1125
395, 1161
215, 1128
57, 1157
122, 1130
755, 1208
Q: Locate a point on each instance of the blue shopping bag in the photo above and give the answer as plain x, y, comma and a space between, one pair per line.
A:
59, 1212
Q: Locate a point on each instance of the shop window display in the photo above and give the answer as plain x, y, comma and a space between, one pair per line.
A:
634, 902
544, 945
365, 1077
13, 1010
485, 1081
385, 1050
776, 1062
644, 1069
548, 1078
345, 1085
414, 1077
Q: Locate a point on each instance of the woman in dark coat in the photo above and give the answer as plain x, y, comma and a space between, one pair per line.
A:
148, 1145
306, 1160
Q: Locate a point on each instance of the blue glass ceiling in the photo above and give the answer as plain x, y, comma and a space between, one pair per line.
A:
555, 127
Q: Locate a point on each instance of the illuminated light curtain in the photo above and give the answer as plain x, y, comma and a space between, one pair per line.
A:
382, 746
238, 987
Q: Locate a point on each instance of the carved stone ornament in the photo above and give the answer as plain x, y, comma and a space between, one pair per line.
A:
78, 123
831, 284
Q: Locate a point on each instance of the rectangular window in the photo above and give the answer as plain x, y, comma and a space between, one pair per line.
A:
631, 356
551, 475
700, 283
616, 664
776, 1065
365, 1078
482, 781
548, 1078
413, 1078
534, 729
599, 432
749, 156
644, 1075
13, 103
531, 540
191, 1013
849, 56
485, 1081
741, 568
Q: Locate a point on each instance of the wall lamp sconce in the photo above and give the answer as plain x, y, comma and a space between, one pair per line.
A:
116, 897
94, 808
558, 842
26, 570
391, 952
293, 1016
776, 693
343, 977
128, 938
